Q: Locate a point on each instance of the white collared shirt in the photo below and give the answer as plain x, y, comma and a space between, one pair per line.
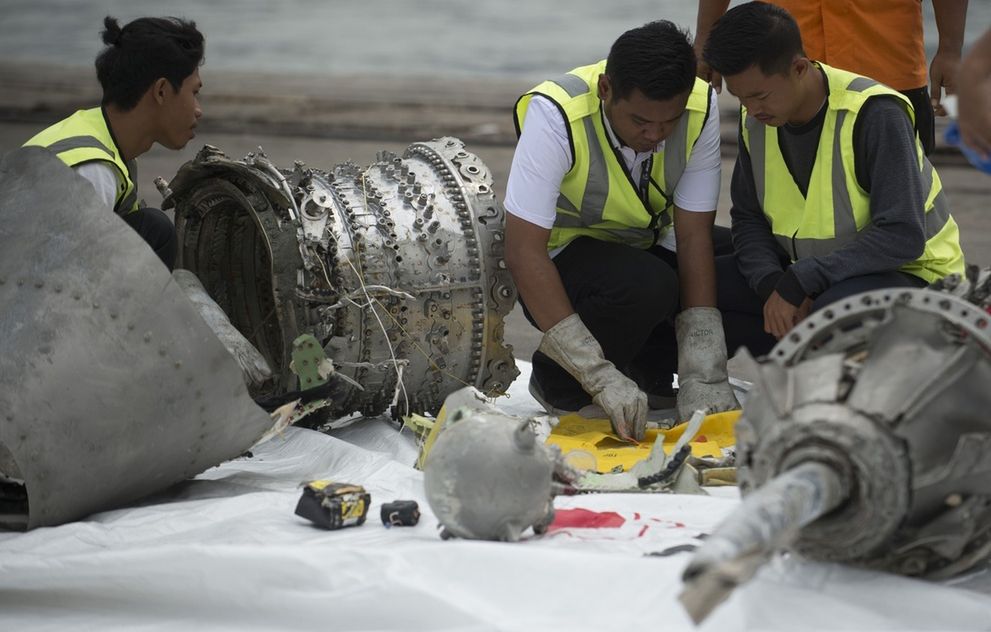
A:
543, 158
103, 177
633, 159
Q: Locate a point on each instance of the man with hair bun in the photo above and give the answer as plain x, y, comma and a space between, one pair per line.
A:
609, 233
149, 72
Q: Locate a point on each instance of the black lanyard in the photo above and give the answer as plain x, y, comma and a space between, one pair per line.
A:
646, 181
645, 169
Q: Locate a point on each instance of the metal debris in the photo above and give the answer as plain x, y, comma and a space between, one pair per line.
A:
399, 262
865, 440
487, 477
112, 386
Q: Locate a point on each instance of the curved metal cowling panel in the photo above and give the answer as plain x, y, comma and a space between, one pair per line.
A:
111, 385
400, 263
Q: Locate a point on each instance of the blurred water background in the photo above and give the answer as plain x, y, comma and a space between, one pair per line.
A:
440, 38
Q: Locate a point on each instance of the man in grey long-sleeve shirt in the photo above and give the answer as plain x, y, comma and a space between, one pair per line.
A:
831, 193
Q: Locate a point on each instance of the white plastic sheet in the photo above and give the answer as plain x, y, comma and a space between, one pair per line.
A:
226, 552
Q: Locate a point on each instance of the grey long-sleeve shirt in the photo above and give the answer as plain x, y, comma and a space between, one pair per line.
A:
886, 167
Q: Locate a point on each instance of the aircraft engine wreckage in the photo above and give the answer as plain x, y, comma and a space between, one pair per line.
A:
397, 269
490, 476
112, 386
865, 440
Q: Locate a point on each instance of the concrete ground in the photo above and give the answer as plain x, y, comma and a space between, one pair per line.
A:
325, 121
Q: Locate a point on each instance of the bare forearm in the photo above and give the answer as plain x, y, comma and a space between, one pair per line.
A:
951, 17
540, 287
537, 279
709, 11
696, 271
698, 280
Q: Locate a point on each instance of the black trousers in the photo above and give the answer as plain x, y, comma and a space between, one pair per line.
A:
627, 298
925, 118
156, 229
743, 310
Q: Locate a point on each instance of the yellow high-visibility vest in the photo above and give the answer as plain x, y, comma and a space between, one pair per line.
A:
598, 198
835, 207
85, 137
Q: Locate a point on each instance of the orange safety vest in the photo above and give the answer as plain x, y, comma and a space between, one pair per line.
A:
880, 39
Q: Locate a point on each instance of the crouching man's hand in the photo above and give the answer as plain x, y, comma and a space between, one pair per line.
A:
703, 383
575, 349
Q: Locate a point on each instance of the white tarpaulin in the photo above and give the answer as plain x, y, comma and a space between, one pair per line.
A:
226, 552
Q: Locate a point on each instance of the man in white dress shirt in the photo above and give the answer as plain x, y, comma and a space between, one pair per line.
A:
609, 232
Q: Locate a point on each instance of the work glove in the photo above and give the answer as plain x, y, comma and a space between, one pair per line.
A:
703, 383
575, 349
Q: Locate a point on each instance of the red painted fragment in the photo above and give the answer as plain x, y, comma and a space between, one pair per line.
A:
585, 519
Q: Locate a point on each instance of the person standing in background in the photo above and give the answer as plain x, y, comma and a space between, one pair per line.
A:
880, 39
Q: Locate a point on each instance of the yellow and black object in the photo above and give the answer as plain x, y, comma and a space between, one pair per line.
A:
334, 505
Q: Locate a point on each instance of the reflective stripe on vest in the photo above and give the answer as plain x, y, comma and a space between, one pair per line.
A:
84, 137
836, 207
598, 197
79, 142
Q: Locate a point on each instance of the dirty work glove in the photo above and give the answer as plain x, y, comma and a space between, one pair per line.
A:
703, 383
575, 349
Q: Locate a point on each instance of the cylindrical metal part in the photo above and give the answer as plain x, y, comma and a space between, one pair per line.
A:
887, 391
343, 255
768, 519
771, 516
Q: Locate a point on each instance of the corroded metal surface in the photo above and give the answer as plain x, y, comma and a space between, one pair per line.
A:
887, 393
111, 385
397, 268
890, 387
487, 476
